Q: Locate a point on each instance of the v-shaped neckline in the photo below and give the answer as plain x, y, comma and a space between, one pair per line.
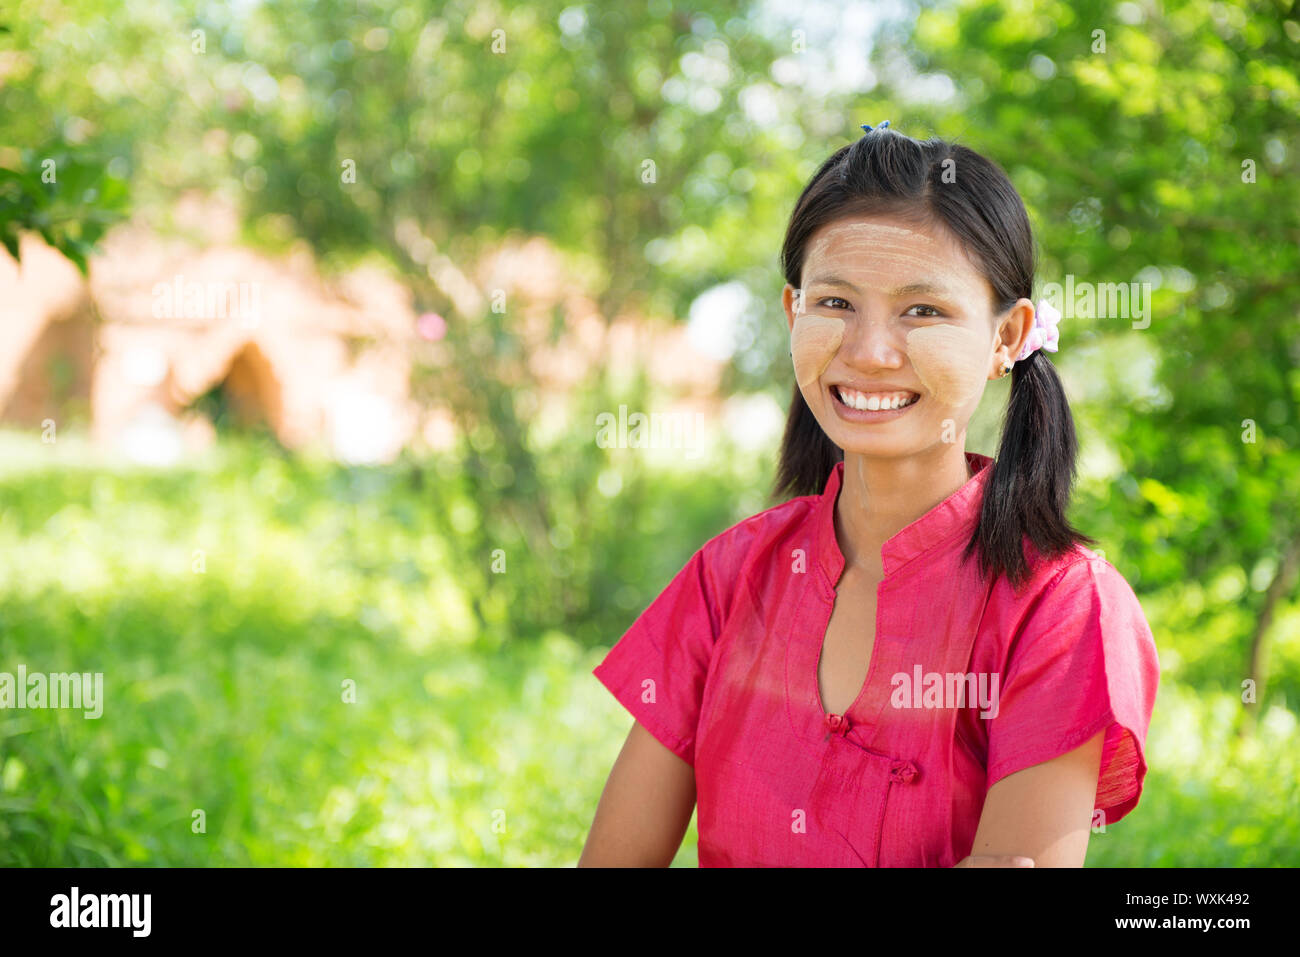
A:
872, 658
808, 716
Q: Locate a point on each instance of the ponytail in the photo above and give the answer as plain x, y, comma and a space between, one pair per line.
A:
1028, 492
807, 454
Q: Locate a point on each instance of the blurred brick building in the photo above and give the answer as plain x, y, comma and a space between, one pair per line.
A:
160, 325
163, 328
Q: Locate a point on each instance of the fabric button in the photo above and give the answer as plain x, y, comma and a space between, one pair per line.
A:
837, 723
902, 771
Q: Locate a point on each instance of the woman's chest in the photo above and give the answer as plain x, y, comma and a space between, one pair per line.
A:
805, 753
848, 643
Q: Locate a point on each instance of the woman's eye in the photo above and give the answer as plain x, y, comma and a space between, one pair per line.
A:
933, 310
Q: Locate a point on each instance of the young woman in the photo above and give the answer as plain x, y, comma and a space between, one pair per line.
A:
915, 661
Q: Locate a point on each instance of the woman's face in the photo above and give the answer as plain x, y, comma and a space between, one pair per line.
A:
894, 314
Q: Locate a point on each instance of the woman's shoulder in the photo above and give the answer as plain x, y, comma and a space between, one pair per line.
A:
757, 532
730, 562
1075, 562
1077, 578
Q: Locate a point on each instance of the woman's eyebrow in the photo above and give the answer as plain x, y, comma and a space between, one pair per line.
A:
910, 289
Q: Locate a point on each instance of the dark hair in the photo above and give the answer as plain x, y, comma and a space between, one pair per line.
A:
886, 173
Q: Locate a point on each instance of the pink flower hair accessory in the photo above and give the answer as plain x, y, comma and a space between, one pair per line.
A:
1045, 334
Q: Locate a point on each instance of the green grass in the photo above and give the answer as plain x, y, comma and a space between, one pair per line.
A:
228, 603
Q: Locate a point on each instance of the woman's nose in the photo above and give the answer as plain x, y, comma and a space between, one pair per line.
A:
870, 341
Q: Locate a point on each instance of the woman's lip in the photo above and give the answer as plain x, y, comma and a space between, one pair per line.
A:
878, 390
850, 414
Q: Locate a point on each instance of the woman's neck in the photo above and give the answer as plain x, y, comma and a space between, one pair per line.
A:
882, 496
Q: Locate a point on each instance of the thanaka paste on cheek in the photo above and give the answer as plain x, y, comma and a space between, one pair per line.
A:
950, 361
814, 340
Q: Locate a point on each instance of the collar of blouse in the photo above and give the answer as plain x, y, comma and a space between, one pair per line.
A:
955, 515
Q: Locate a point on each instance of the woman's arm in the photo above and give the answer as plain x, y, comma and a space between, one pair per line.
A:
644, 809
1045, 811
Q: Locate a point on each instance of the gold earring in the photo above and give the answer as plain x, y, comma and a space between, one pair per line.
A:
1006, 367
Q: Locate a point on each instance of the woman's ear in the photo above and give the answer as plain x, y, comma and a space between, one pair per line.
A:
790, 301
1012, 334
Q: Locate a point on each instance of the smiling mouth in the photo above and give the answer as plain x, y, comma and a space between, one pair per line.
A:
873, 401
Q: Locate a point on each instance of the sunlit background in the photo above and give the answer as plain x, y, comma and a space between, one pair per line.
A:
319, 377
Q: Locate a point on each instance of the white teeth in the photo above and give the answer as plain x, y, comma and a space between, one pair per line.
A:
857, 400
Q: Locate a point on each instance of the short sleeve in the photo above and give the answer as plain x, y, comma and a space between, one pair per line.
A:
1084, 661
658, 668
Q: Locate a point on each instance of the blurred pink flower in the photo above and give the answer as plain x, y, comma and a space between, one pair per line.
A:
1045, 334
431, 326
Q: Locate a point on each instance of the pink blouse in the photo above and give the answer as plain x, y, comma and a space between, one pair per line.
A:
968, 682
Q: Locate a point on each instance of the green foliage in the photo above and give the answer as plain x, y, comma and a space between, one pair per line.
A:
62, 174
68, 199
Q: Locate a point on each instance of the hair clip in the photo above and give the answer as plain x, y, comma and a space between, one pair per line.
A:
880, 127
